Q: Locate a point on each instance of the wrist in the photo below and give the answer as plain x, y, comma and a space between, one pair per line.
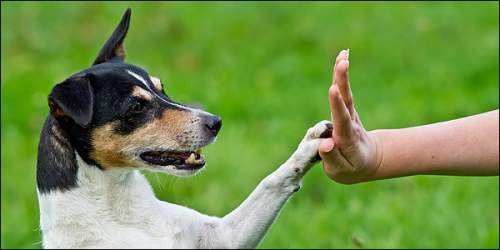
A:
378, 152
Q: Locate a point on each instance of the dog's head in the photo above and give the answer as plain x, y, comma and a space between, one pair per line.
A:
118, 116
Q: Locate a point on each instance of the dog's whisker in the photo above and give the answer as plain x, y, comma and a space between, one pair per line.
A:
36, 243
171, 182
174, 180
159, 182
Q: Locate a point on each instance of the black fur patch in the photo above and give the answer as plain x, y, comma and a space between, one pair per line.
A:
56, 164
328, 132
315, 159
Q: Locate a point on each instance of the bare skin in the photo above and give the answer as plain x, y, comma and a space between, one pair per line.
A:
467, 146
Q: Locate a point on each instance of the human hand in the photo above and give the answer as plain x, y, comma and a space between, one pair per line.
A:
351, 154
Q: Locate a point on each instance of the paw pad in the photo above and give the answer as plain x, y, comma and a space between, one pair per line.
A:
327, 132
322, 129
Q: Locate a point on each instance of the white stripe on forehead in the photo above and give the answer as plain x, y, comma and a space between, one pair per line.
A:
141, 79
138, 77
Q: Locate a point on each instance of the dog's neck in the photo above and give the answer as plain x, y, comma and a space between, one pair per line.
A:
117, 196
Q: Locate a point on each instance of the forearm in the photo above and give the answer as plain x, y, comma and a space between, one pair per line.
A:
246, 225
466, 146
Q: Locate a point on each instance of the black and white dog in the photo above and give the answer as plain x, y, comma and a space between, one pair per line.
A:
113, 119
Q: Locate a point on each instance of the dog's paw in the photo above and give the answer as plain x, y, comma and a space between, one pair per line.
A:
322, 129
291, 173
307, 151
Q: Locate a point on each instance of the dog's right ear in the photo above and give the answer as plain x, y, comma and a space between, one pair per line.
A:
113, 48
73, 98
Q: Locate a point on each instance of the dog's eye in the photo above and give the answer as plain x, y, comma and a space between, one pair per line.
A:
138, 106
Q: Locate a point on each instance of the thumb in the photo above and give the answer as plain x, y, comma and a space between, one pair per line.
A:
328, 154
326, 147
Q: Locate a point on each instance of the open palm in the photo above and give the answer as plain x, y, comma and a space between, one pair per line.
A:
350, 154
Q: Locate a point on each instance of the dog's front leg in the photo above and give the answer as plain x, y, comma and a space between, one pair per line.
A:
245, 226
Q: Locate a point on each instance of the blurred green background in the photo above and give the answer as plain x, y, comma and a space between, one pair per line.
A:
266, 68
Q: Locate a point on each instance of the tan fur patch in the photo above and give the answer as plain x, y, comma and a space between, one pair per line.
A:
114, 150
156, 82
140, 92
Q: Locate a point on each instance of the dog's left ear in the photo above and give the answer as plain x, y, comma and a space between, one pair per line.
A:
113, 48
73, 98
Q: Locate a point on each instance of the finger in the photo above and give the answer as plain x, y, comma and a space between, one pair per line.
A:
342, 81
326, 146
343, 55
341, 120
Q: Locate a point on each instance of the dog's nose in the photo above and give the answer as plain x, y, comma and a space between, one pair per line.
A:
213, 124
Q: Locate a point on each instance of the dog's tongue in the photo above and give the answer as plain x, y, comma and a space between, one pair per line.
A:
165, 158
181, 155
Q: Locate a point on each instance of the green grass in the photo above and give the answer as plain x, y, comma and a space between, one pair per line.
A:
265, 68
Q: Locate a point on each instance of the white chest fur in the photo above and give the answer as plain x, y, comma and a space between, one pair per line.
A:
115, 208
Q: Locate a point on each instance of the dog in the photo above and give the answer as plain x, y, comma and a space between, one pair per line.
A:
108, 122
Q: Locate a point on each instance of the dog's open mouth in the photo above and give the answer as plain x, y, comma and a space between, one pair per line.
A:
188, 160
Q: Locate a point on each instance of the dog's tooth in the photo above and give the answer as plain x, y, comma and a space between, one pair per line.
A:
191, 159
199, 160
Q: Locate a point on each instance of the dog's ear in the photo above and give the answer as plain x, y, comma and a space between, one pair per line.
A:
113, 48
73, 98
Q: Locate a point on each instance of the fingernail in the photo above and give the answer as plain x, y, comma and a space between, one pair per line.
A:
344, 61
348, 53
